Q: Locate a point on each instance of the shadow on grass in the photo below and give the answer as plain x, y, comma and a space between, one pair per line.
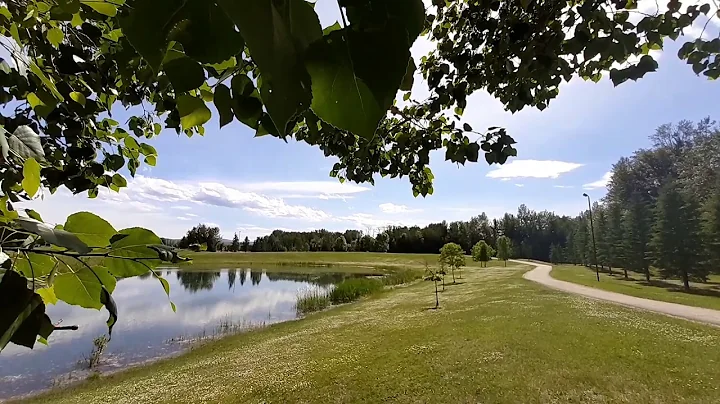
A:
671, 287
432, 308
454, 283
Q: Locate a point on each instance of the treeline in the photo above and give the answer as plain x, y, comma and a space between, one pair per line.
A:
662, 209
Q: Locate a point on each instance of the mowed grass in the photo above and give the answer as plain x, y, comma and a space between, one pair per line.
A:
359, 262
497, 338
701, 294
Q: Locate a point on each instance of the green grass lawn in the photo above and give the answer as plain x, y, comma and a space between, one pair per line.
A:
345, 261
701, 295
497, 338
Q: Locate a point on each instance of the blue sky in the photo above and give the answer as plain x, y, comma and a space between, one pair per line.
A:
254, 185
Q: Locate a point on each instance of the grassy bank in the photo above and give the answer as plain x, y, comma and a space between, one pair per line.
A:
497, 338
701, 294
359, 262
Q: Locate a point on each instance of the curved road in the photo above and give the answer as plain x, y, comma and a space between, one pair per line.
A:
541, 274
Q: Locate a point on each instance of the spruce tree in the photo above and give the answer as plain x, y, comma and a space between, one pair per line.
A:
636, 236
676, 243
601, 230
711, 230
235, 246
613, 236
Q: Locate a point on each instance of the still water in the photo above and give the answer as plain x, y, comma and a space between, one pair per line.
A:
148, 329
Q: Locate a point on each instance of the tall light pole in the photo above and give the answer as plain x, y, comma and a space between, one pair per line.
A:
592, 231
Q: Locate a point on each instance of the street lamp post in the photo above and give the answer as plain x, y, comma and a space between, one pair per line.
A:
592, 232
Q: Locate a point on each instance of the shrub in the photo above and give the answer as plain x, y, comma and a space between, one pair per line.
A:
353, 289
311, 300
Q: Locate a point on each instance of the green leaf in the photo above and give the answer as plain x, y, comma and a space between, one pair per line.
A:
147, 28
119, 181
90, 228
23, 317
35, 69
26, 143
409, 78
223, 103
34, 264
206, 33
48, 295
355, 77
60, 238
33, 214
193, 111
78, 97
107, 300
103, 7
246, 106
134, 244
55, 36
277, 35
184, 74
31, 176
83, 287
151, 160
334, 27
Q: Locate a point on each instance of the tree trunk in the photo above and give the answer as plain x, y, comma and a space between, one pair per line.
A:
610, 269
443, 282
686, 282
625, 270
505, 262
647, 274
453, 274
437, 302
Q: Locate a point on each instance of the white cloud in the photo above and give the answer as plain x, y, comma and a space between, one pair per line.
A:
305, 189
563, 186
143, 191
182, 218
181, 207
519, 185
393, 208
533, 169
601, 183
191, 215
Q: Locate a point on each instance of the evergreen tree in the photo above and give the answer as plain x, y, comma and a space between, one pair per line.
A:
601, 230
235, 246
676, 243
613, 236
582, 242
711, 231
636, 231
556, 254
246, 244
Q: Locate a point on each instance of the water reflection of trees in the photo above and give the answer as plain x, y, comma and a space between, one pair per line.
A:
323, 279
255, 276
195, 281
231, 278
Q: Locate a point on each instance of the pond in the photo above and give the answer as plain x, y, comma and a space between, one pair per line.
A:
208, 304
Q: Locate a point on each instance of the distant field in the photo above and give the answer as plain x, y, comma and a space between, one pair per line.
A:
497, 338
702, 294
349, 261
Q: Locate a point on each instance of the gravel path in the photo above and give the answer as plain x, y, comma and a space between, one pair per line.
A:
541, 274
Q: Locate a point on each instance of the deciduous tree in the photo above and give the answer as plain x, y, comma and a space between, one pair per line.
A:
503, 245
453, 257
